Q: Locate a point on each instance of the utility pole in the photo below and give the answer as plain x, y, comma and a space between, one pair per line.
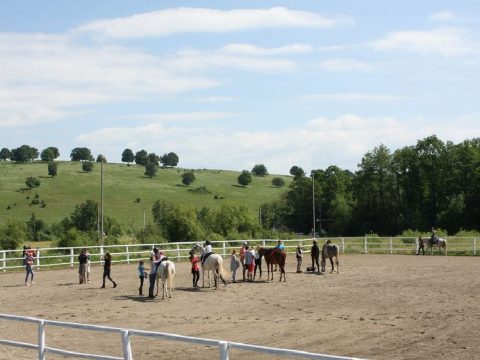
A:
143, 231
313, 202
101, 203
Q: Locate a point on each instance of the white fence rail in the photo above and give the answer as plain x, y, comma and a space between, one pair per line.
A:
126, 334
67, 256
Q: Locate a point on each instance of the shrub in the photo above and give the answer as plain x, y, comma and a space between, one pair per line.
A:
32, 182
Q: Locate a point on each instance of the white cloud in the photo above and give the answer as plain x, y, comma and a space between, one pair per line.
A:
334, 65
443, 16
324, 141
186, 116
348, 97
215, 99
252, 50
182, 20
442, 41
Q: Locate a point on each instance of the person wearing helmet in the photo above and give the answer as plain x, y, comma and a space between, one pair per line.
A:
433, 238
207, 252
315, 254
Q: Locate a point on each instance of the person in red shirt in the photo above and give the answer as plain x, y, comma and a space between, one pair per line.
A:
195, 270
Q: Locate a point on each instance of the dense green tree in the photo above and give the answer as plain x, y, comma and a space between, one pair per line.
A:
169, 160
154, 158
278, 182
188, 178
24, 153
101, 158
296, 171
5, 154
81, 154
84, 217
178, 223
87, 166
128, 156
244, 178
32, 182
52, 168
151, 170
49, 154
35, 227
12, 234
259, 170
141, 158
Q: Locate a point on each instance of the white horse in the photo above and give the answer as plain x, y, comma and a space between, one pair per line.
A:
426, 242
166, 272
213, 263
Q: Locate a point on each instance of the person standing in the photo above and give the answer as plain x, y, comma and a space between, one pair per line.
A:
249, 262
194, 260
258, 263
299, 256
315, 254
29, 267
141, 275
234, 265
242, 258
152, 277
107, 267
82, 266
88, 265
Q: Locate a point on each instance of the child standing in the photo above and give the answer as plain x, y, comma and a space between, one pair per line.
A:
249, 262
29, 267
234, 265
88, 265
141, 275
258, 263
299, 256
195, 270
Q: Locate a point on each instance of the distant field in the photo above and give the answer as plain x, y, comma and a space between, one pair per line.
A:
123, 185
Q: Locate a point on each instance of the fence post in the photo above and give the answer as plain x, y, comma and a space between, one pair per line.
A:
41, 340
263, 242
38, 259
178, 252
223, 348
128, 254
474, 249
365, 244
224, 249
127, 350
343, 245
391, 245
71, 257
4, 261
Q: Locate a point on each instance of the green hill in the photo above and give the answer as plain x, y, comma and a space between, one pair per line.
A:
127, 193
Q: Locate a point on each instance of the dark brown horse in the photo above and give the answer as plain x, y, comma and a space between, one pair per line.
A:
427, 242
274, 256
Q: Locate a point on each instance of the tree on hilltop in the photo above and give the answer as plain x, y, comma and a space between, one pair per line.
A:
259, 170
128, 156
5, 154
101, 158
296, 171
87, 166
151, 170
141, 158
81, 154
170, 159
49, 154
24, 153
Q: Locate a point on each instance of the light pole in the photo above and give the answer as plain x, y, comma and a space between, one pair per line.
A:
101, 203
313, 202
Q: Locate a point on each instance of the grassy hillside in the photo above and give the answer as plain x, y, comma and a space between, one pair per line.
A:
123, 185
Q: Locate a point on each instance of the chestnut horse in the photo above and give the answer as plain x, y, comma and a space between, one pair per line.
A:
274, 256
330, 251
426, 242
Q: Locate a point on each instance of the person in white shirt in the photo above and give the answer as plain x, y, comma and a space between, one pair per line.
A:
207, 251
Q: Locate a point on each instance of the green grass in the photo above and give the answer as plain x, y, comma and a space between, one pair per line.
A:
122, 186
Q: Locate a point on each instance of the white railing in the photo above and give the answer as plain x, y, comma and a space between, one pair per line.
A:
67, 256
126, 334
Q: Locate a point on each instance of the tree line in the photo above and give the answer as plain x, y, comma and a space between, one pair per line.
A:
430, 184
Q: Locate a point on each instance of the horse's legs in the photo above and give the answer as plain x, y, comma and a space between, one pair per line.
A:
203, 277
331, 262
336, 260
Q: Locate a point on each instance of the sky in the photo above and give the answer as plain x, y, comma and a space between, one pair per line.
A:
231, 84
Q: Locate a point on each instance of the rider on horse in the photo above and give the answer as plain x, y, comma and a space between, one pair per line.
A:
433, 238
207, 252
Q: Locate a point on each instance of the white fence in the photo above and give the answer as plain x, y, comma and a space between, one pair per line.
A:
125, 334
49, 257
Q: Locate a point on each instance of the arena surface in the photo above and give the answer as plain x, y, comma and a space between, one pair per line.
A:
378, 307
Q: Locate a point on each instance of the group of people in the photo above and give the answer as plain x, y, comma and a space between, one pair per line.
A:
84, 268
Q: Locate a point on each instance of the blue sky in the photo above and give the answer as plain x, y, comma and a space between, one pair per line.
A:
228, 85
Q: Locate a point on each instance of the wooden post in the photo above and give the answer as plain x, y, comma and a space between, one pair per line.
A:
224, 249
38, 259
128, 254
4, 261
391, 245
71, 257
178, 252
474, 248
343, 245
365, 244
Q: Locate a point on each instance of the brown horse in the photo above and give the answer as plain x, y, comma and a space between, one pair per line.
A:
274, 256
331, 251
426, 242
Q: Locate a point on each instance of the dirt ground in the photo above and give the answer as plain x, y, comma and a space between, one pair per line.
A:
378, 307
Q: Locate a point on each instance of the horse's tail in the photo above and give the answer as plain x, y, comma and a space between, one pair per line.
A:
170, 274
220, 270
